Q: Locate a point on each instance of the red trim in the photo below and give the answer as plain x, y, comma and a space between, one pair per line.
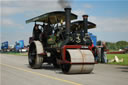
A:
72, 47
67, 47
117, 52
67, 62
84, 63
42, 54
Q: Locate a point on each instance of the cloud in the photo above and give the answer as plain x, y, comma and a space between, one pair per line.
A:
6, 22
110, 24
21, 6
88, 6
6, 11
79, 12
12, 7
24, 8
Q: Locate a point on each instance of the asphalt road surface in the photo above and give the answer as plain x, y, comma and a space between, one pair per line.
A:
16, 71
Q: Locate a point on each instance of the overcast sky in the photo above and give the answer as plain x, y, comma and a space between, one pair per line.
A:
110, 16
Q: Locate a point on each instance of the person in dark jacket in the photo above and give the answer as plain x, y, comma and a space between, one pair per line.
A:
103, 53
36, 32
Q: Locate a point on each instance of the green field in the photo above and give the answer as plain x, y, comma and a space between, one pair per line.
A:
109, 56
15, 53
124, 56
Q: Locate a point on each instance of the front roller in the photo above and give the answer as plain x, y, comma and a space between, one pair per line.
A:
35, 60
78, 61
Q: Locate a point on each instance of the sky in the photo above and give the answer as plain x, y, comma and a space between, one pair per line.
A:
110, 16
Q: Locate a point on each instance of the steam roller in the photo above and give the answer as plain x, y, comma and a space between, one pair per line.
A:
62, 43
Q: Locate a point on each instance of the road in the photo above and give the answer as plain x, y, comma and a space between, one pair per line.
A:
16, 71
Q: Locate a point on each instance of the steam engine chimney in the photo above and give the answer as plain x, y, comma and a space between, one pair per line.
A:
85, 19
67, 19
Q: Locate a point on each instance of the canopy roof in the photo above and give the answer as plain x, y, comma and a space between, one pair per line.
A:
51, 17
80, 24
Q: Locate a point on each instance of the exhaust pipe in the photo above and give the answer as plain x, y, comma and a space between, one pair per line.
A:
67, 22
67, 19
85, 20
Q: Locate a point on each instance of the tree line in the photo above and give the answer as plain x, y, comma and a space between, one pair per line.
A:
117, 45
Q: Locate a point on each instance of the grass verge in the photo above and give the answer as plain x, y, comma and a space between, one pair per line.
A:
14, 53
124, 56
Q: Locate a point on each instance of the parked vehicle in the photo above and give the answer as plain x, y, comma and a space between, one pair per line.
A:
19, 45
4, 46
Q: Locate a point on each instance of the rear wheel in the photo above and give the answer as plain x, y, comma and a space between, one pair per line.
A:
35, 60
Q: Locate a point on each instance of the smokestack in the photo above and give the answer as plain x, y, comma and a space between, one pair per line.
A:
85, 20
67, 19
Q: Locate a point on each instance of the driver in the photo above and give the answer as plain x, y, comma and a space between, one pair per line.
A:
36, 32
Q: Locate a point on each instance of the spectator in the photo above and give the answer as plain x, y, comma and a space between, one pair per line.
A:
95, 53
104, 52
